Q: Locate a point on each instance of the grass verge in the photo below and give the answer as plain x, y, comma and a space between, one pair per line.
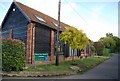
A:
84, 65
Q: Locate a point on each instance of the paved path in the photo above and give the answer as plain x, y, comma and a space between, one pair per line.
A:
106, 70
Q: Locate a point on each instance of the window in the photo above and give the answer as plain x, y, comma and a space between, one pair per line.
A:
55, 24
39, 18
13, 9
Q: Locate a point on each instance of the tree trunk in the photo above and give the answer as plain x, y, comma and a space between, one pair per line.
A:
73, 55
80, 54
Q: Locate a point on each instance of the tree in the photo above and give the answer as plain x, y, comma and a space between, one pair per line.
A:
93, 49
116, 48
109, 35
108, 42
111, 42
99, 48
75, 38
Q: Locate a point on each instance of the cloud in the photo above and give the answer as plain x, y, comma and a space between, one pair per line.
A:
6, 0
49, 7
95, 28
68, 7
96, 11
99, 27
2, 5
10, 0
94, 0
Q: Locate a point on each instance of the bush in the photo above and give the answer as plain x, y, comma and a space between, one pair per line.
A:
99, 48
81, 57
93, 50
86, 56
13, 54
106, 52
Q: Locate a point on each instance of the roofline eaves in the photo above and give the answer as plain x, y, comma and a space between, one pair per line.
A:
29, 20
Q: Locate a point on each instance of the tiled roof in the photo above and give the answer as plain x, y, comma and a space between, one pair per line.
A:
32, 12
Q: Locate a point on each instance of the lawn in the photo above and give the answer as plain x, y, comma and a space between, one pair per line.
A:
84, 65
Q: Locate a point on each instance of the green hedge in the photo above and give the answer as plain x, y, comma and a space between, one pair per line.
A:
13, 54
99, 48
107, 52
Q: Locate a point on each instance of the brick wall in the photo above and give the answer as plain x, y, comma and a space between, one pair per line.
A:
52, 58
52, 46
30, 44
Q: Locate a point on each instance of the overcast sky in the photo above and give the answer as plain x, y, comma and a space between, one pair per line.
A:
94, 17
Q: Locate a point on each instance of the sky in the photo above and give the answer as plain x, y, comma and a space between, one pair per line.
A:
94, 17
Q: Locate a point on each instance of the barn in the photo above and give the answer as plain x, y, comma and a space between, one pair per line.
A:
37, 30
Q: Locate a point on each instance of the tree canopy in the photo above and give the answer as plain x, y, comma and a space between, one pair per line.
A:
107, 41
75, 38
111, 42
109, 35
117, 42
99, 48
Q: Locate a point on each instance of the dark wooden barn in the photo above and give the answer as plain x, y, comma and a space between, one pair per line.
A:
35, 29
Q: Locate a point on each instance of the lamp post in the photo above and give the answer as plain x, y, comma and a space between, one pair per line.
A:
58, 29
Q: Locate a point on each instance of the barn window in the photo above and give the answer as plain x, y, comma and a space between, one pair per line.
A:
39, 18
13, 9
55, 24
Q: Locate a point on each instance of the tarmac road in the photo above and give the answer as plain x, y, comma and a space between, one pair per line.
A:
106, 70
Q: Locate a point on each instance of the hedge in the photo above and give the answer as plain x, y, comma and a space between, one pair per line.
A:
13, 54
99, 48
106, 51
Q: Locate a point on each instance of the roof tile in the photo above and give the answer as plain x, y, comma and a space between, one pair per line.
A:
31, 12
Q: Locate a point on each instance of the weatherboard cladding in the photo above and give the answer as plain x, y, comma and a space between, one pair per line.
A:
31, 14
21, 19
18, 24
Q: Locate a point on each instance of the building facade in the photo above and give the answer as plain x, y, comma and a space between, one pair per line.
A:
37, 30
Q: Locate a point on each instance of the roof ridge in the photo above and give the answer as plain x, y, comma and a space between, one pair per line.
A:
35, 10
30, 12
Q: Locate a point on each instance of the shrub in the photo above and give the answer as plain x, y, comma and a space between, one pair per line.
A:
99, 48
81, 57
86, 56
13, 54
106, 52
93, 50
